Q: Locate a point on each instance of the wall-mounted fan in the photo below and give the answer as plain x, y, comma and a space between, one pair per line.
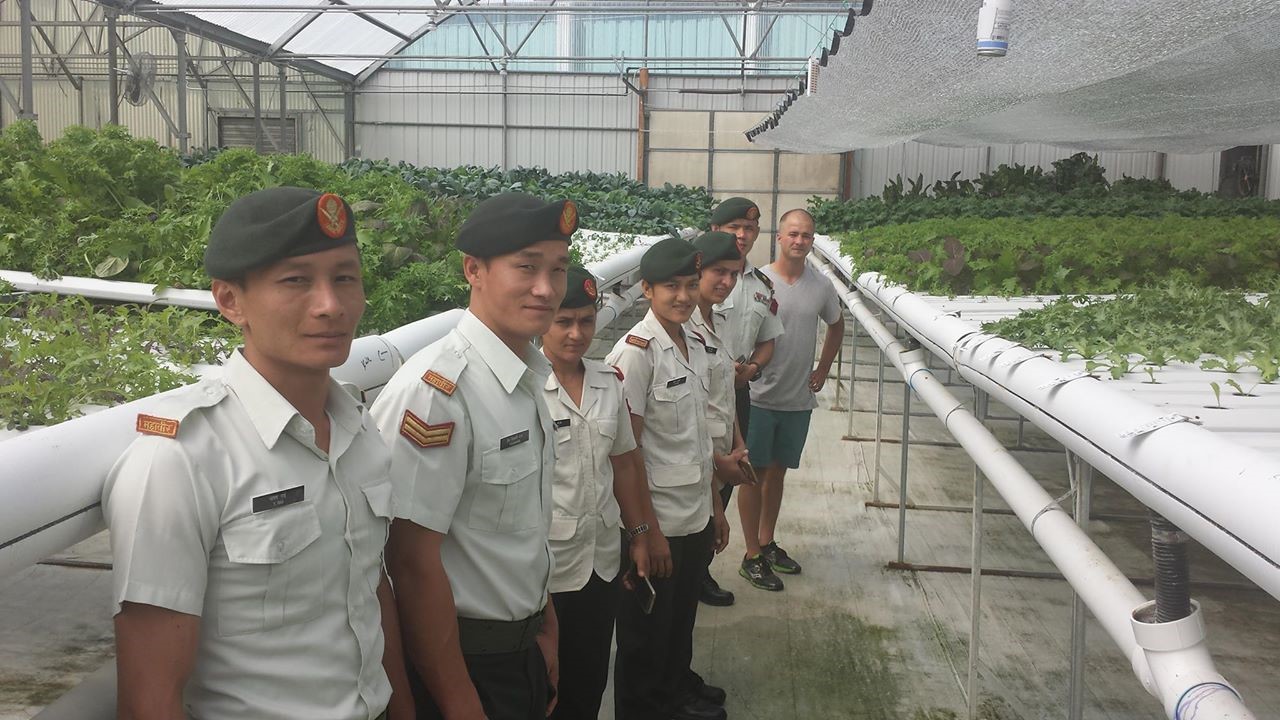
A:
139, 77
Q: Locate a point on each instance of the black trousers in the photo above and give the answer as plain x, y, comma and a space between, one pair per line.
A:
512, 686
586, 634
742, 406
651, 673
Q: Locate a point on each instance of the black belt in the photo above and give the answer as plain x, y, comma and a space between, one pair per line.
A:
491, 637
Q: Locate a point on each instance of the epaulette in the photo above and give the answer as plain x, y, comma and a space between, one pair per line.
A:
171, 410
444, 372
763, 278
637, 341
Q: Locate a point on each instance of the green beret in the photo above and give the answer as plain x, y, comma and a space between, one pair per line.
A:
510, 222
716, 246
269, 225
581, 290
668, 258
735, 208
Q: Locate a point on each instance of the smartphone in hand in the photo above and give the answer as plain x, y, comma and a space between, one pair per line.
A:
643, 591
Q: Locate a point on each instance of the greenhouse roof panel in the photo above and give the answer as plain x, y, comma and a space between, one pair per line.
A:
1179, 76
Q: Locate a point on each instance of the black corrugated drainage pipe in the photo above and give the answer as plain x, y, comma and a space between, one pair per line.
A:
1173, 570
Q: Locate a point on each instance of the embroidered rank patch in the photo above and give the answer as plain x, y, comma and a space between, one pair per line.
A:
152, 425
637, 341
423, 434
331, 214
439, 382
773, 305
568, 218
618, 371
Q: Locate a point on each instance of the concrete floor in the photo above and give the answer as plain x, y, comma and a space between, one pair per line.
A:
848, 638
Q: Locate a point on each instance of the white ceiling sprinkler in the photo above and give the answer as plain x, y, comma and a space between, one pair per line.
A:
993, 27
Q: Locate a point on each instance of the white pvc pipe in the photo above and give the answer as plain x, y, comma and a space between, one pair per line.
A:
1191, 476
1107, 592
115, 290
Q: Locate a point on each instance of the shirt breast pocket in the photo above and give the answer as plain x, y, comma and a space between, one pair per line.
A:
275, 576
509, 496
668, 402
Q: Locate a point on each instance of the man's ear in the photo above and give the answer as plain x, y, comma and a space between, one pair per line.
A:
227, 294
471, 267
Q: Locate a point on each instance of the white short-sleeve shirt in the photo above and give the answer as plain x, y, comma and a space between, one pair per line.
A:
751, 312
585, 519
669, 393
472, 457
229, 511
720, 391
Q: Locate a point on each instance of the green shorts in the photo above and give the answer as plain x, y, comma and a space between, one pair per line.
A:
777, 436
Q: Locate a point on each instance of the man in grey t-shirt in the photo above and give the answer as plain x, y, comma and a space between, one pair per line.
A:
782, 400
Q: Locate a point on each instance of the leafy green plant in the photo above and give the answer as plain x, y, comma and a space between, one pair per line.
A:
1217, 396
1069, 255
1151, 327
60, 354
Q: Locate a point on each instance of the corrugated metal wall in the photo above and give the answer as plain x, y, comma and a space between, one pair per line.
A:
58, 104
560, 122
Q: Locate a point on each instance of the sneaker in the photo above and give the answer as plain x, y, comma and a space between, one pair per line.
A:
757, 572
779, 560
713, 594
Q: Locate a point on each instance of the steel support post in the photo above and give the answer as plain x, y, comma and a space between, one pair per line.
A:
113, 70
875, 482
257, 106
1082, 473
282, 74
853, 374
902, 472
27, 87
180, 42
975, 598
839, 374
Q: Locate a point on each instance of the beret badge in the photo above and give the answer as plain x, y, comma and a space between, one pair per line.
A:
589, 287
331, 214
697, 262
753, 213
568, 218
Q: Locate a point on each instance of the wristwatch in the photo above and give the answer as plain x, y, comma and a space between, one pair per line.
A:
640, 529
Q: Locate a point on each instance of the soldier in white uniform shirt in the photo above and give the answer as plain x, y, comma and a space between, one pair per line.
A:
598, 492
248, 520
472, 462
750, 330
665, 371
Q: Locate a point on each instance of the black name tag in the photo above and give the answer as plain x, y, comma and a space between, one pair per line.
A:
278, 499
712, 350
513, 440
561, 423
677, 381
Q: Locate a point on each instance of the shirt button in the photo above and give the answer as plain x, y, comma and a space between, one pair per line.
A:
280, 545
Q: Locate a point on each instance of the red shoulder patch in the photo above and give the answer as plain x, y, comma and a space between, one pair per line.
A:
152, 425
637, 341
773, 305
439, 382
618, 371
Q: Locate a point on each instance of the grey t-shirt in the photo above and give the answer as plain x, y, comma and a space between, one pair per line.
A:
784, 384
